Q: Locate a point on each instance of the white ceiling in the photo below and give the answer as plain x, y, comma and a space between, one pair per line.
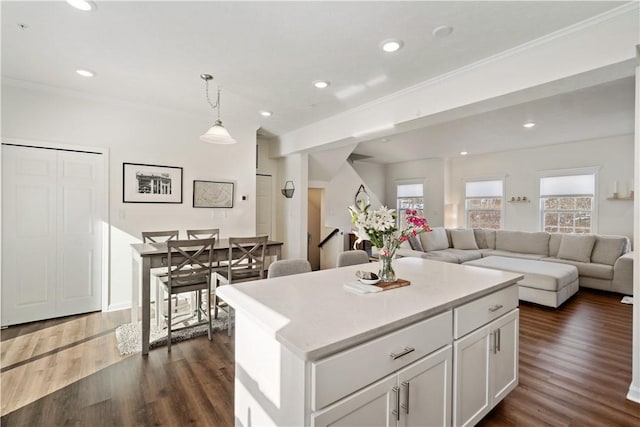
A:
266, 54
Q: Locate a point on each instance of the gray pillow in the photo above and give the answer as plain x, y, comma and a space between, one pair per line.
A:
434, 240
464, 239
481, 238
415, 243
608, 249
576, 247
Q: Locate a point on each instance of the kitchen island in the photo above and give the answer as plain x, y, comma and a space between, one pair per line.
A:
440, 351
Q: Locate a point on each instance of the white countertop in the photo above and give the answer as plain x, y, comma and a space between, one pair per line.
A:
314, 316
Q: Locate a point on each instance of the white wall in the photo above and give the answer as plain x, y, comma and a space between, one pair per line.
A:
374, 177
428, 171
140, 134
269, 166
292, 213
612, 156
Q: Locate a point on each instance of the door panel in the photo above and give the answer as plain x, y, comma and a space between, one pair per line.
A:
80, 207
370, 406
52, 207
263, 205
29, 266
471, 396
428, 386
505, 359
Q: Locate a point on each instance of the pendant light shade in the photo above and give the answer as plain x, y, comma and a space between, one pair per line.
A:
217, 134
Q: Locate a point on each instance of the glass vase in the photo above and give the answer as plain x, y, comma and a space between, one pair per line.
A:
386, 273
386, 255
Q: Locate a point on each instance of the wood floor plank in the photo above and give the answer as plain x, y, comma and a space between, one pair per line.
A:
575, 370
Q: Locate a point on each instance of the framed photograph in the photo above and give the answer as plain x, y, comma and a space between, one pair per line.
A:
151, 183
212, 194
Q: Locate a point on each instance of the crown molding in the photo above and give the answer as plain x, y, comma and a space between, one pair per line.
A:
29, 85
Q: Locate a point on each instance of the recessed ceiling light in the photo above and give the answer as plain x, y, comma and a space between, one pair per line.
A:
529, 125
391, 45
442, 31
463, 153
85, 73
266, 113
82, 5
321, 84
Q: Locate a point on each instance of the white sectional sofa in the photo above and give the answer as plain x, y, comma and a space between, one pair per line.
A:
603, 261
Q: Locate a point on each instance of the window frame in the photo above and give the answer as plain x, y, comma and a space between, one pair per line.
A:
397, 207
467, 211
594, 170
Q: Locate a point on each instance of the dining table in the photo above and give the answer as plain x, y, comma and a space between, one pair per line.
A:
146, 256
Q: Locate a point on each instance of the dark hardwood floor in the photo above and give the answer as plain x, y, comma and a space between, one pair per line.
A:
575, 369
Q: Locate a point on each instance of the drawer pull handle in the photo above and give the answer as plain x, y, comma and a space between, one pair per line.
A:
495, 308
404, 352
396, 411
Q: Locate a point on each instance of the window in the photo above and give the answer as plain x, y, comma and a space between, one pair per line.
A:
483, 204
409, 196
567, 203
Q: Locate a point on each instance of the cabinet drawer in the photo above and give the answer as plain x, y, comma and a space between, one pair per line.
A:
344, 373
474, 314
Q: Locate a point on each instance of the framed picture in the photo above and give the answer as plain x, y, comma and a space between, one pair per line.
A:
151, 183
212, 194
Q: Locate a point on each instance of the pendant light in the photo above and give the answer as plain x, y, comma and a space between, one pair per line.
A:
217, 134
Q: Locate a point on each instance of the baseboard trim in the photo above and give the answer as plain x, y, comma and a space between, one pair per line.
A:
634, 393
120, 306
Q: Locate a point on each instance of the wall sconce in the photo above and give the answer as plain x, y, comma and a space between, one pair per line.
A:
362, 198
288, 189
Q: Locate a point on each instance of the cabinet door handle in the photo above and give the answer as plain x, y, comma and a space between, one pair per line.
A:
405, 405
499, 336
494, 335
396, 411
404, 352
495, 308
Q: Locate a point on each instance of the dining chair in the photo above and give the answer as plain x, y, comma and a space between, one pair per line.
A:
245, 262
189, 268
157, 273
288, 267
352, 258
203, 233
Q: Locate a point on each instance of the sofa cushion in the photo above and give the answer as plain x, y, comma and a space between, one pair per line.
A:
441, 255
523, 242
415, 243
608, 249
485, 238
434, 240
554, 243
510, 254
576, 247
463, 255
589, 269
464, 239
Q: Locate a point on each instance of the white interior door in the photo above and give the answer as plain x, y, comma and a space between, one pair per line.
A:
52, 213
264, 198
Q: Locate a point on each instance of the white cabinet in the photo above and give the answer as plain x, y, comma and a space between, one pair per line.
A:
417, 395
485, 368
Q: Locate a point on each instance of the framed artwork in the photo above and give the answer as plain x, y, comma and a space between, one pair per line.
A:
212, 194
151, 183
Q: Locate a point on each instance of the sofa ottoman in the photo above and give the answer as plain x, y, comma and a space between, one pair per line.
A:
544, 283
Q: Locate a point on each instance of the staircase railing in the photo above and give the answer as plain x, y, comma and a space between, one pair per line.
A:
329, 236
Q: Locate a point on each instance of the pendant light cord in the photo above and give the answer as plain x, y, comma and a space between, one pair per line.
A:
217, 105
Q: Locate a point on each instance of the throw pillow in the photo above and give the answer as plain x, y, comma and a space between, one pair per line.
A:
576, 247
608, 249
464, 239
481, 238
415, 243
434, 240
